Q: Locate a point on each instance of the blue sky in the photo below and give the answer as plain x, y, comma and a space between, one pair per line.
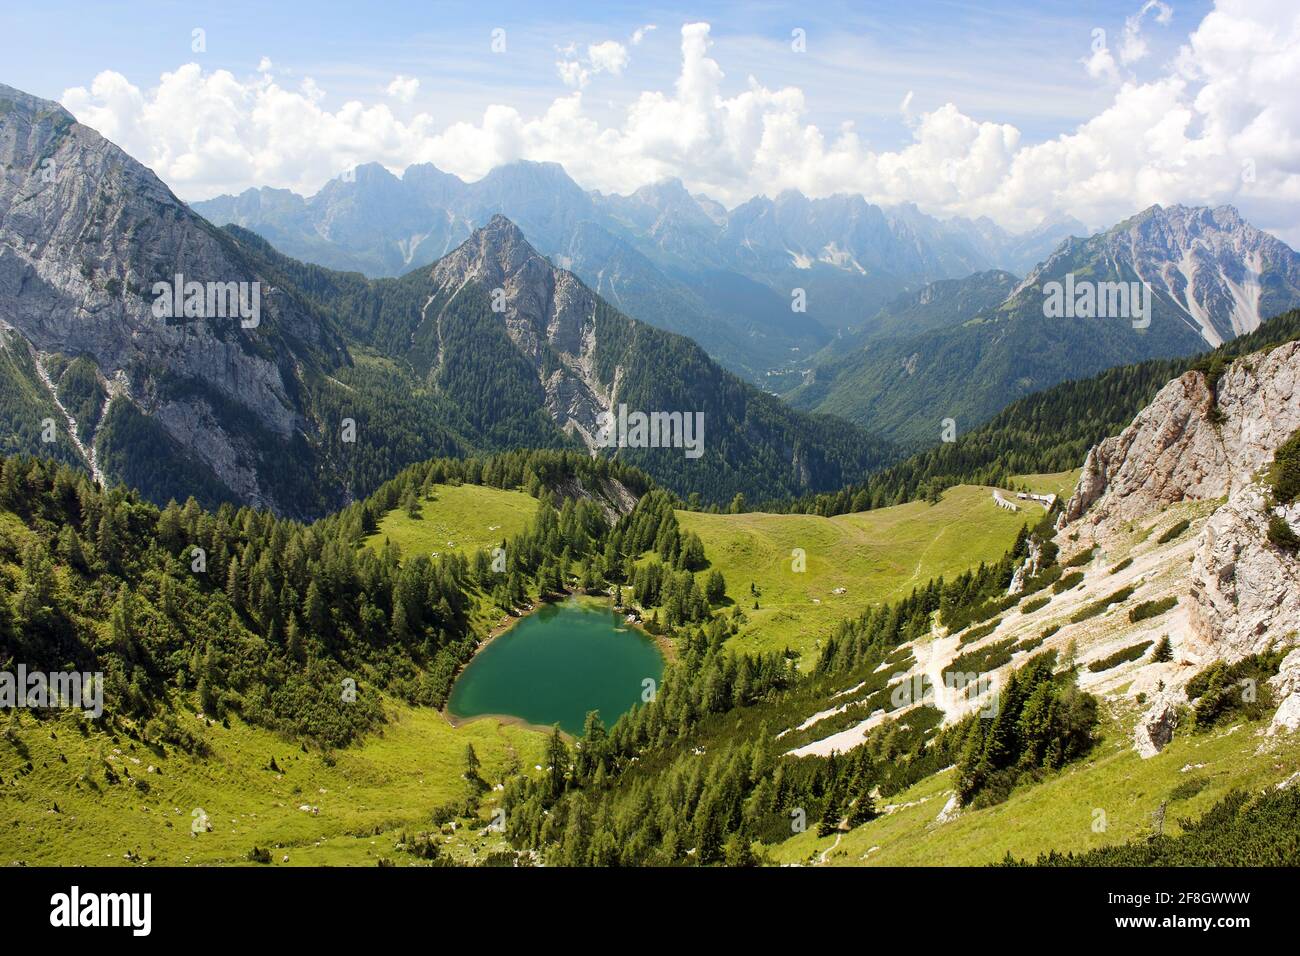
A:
1020, 111
1016, 62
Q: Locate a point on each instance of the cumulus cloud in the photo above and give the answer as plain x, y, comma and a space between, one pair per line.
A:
1100, 65
609, 56
403, 88
1134, 47
639, 33
1225, 103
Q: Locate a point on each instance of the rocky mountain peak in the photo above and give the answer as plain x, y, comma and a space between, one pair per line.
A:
1210, 448
495, 255
1207, 267
87, 234
548, 314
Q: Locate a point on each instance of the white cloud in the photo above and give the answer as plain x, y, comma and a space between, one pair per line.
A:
572, 73
609, 56
403, 88
1101, 65
1135, 47
639, 33
1183, 136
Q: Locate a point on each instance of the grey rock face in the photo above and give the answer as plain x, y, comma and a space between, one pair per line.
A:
1177, 449
1155, 728
85, 232
1245, 593
547, 312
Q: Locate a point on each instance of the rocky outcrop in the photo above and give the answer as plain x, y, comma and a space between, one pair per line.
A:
1155, 728
1027, 569
1186, 445
1287, 718
1242, 592
614, 498
1285, 685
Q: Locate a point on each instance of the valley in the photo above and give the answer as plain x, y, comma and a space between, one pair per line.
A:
399, 472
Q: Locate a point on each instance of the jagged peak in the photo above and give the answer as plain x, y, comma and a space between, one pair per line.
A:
495, 252
29, 104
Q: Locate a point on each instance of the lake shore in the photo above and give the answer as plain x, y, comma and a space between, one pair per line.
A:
663, 644
667, 648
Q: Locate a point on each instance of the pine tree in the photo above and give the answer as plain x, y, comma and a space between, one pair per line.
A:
715, 589
557, 757
234, 586
314, 609
830, 821
411, 503
864, 807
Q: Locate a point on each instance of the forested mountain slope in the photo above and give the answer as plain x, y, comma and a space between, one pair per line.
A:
1211, 276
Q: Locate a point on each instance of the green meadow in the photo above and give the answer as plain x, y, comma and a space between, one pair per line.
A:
250, 790
464, 518
872, 556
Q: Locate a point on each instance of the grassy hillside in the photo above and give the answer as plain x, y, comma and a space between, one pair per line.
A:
874, 556
460, 518
365, 794
1192, 774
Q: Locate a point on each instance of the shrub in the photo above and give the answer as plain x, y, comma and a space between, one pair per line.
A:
259, 855
1121, 566
984, 659
1080, 559
1148, 609
1280, 534
1188, 789
1224, 691
984, 630
1070, 580
1041, 580
1173, 532
1034, 605
1030, 643
1163, 652
1102, 604
1284, 476
1120, 657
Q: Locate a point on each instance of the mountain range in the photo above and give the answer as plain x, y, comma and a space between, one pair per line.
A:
680, 261
910, 321
1211, 276
340, 380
